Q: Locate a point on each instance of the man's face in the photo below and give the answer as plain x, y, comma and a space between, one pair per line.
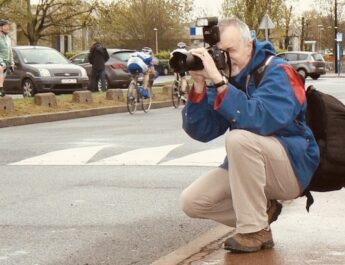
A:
5, 28
239, 51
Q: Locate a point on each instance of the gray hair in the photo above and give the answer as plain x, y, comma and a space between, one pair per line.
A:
235, 22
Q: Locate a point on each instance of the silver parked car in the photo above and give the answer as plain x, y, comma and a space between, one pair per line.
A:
306, 63
43, 69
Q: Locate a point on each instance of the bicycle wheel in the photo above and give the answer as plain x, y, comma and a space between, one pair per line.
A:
132, 97
175, 94
185, 94
146, 101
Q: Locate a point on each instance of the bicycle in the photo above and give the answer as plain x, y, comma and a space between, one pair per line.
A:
177, 95
135, 96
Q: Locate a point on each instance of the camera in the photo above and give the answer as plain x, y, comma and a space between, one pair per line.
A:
183, 62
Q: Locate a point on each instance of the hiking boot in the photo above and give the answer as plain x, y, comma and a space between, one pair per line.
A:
274, 208
251, 242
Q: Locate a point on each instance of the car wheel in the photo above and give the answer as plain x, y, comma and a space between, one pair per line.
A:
315, 76
165, 71
28, 88
302, 73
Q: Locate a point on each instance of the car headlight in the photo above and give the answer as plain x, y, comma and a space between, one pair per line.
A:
44, 72
83, 72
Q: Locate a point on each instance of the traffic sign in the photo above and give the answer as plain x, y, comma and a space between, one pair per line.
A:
266, 23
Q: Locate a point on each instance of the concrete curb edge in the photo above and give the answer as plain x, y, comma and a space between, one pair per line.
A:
183, 253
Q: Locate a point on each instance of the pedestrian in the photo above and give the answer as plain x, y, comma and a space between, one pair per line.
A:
271, 152
97, 57
6, 54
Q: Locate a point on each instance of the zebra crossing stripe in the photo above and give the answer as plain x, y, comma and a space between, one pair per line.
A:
73, 156
138, 157
142, 156
207, 158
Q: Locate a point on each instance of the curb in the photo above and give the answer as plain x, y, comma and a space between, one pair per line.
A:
65, 115
196, 249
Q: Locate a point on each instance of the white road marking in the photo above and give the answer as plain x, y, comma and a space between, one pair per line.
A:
138, 157
208, 158
142, 156
73, 156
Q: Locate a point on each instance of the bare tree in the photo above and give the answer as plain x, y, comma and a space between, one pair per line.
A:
50, 17
131, 23
252, 11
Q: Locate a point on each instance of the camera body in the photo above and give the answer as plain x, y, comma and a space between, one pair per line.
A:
183, 62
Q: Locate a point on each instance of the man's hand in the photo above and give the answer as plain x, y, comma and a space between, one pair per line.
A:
210, 70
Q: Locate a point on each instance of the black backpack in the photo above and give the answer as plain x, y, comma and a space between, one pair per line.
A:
326, 118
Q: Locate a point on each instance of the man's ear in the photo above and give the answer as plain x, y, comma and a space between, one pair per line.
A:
250, 47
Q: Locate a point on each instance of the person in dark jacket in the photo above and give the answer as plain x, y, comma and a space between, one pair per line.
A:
97, 57
271, 152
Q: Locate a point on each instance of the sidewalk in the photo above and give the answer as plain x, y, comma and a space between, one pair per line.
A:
316, 238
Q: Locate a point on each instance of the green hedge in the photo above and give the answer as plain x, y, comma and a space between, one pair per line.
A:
165, 54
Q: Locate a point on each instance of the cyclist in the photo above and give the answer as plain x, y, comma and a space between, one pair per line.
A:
181, 47
142, 62
6, 55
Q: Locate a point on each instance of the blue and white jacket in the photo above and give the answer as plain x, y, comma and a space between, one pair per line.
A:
277, 107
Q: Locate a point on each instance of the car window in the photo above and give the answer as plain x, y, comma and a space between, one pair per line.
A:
317, 57
282, 55
80, 58
291, 56
42, 56
122, 56
303, 56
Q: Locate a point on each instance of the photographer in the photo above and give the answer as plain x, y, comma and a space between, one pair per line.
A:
271, 152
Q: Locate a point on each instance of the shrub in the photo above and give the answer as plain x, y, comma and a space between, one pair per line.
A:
165, 54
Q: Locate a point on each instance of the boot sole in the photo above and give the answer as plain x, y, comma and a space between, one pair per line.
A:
242, 249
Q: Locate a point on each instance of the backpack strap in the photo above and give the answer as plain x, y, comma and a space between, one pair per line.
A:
310, 199
258, 73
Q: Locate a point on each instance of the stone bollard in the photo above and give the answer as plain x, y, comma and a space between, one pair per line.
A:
115, 94
45, 99
167, 90
82, 97
6, 104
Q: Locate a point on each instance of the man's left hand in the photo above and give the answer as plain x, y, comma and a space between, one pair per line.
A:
210, 69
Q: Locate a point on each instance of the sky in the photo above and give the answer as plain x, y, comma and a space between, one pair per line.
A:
212, 7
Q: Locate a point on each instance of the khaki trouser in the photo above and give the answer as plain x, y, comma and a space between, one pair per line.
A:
259, 170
